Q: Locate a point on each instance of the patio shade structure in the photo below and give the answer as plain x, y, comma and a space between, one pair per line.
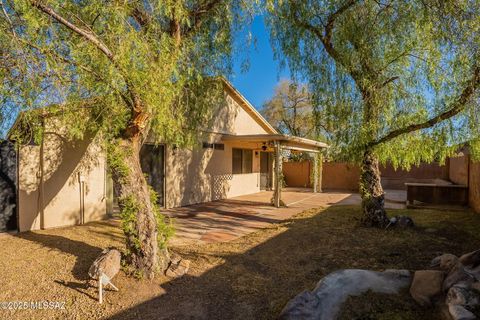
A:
277, 143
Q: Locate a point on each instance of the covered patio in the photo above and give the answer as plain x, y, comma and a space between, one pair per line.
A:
279, 145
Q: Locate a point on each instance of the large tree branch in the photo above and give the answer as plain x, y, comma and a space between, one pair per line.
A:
84, 33
327, 39
457, 106
324, 34
139, 118
199, 14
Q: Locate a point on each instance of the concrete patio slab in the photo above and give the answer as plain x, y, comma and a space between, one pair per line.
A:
228, 219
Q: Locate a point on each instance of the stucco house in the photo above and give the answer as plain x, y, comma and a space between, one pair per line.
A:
66, 183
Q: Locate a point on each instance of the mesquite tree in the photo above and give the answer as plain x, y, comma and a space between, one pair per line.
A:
399, 79
122, 69
290, 110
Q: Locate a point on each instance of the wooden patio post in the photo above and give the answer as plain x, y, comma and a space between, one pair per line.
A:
319, 171
278, 175
315, 172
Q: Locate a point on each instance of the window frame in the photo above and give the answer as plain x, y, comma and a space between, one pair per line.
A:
246, 161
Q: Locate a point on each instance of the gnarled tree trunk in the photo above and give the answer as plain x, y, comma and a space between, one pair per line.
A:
373, 197
138, 216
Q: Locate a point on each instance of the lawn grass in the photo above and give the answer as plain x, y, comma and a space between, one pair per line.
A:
252, 277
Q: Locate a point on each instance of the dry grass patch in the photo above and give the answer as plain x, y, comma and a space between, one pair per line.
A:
250, 277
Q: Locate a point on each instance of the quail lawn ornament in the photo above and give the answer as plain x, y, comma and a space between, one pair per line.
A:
104, 268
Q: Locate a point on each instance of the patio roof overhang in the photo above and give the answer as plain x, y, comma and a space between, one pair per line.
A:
286, 141
279, 142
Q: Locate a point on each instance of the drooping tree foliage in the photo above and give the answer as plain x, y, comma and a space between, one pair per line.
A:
122, 69
398, 79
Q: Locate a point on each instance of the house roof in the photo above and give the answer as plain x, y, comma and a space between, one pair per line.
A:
288, 141
272, 134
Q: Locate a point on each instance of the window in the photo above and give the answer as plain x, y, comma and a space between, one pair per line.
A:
219, 146
242, 161
207, 145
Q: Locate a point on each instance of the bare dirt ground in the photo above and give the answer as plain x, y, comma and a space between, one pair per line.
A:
251, 277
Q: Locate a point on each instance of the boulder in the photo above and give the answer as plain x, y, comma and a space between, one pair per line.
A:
178, 268
402, 221
456, 275
426, 285
463, 295
476, 286
108, 263
471, 259
325, 301
305, 305
458, 312
445, 262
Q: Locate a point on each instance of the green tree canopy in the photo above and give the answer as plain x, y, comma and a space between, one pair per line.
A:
125, 69
399, 79
382, 69
121, 56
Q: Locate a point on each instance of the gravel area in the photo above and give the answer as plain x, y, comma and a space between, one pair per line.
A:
249, 277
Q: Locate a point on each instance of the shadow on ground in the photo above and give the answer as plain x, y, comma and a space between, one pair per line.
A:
254, 276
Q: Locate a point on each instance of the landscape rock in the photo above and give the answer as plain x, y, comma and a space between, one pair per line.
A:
426, 285
476, 286
458, 312
402, 221
175, 258
456, 275
304, 306
463, 295
108, 263
445, 262
178, 268
325, 301
471, 259
474, 272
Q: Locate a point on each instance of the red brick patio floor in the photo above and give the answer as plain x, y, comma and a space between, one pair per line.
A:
229, 219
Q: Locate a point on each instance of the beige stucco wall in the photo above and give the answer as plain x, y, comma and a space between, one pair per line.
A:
192, 175
68, 168
199, 175
231, 118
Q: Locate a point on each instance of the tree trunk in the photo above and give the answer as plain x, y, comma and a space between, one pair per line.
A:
373, 197
138, 216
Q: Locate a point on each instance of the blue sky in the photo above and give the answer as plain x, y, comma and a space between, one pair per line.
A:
258, 82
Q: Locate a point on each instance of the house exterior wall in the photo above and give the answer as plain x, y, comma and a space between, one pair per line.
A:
201, 175
198, 174
74, 187
74, 183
